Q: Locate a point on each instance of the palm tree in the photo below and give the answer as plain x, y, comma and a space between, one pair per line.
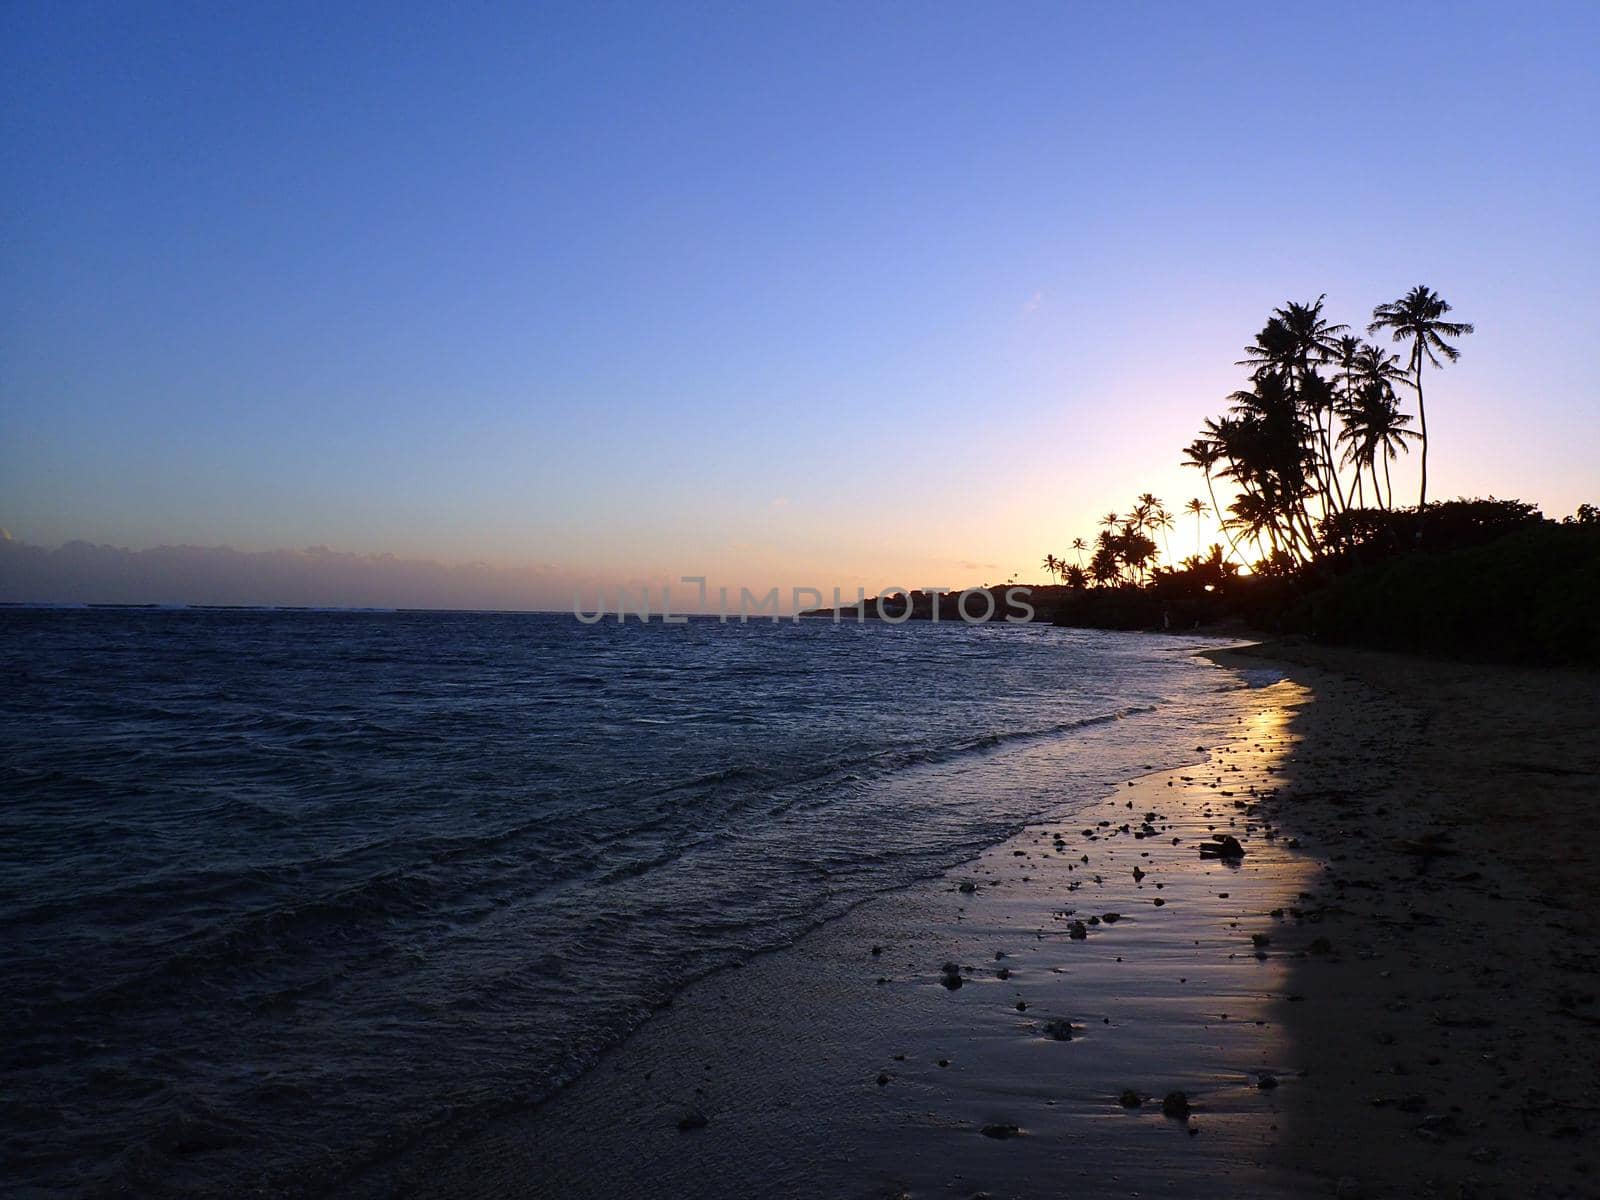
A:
1052, 564
1254, 516
1204, 453
1374, 425
1080, 546
1161, 519
1075, 577
1103, 565
1130, 546
1418, 317
1294, 340
1197, 508
1311, 338
1374, 364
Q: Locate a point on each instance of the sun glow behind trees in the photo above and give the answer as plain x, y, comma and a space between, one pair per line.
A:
1300, 455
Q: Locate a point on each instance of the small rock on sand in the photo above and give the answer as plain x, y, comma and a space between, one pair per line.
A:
1224, 846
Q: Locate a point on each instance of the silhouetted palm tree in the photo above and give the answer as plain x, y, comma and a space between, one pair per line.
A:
1374, 364
1418, 317
1080, 546
1160, 520
1374, 426
1255, 516
1196, 508
1103, 565
1203, 454
1052, 564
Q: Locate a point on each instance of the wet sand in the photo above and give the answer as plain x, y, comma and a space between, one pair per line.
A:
1381, 998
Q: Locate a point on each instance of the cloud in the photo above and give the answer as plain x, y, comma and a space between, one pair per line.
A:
1033, 304
317, 577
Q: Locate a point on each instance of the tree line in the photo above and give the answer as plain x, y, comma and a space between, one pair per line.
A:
1305, 448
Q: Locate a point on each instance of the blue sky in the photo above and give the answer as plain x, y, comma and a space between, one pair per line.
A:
801, 294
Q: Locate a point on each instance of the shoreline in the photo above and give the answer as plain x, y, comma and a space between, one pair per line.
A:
1276, 994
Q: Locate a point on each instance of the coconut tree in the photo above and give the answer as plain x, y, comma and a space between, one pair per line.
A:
1267, 446
1161, 520
1079, 545
1052, 565
1103, 566
1204, 453
1375, 427
1133, 547
1253, 516
1196, 508
1418, 318
1374, 364
1311, 337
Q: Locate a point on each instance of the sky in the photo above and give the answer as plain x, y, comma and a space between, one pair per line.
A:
813, 294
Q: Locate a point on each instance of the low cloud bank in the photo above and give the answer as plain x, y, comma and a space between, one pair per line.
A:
84, 573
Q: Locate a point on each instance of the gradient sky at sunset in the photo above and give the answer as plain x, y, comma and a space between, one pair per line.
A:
831, 294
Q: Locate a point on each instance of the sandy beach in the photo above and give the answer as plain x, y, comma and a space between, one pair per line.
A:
1392, 993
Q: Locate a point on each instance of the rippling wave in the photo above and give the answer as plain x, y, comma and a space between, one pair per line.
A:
282, 889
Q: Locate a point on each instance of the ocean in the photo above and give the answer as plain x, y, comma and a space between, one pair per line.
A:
281, 891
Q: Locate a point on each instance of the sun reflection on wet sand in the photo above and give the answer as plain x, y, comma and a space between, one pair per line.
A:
853, 1063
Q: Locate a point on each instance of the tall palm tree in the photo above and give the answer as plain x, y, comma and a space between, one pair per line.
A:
1080, 546
1374, 426
1134, 548
1161, 519
1418, 317
1312, 338
1197, 508
1103, 566
1294, 340
1373, 422
1203, 454
1254, 516
1052, 565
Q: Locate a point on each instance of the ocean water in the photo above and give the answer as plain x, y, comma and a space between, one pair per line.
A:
281, 891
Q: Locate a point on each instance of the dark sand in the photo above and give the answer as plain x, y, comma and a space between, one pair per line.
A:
1419, 860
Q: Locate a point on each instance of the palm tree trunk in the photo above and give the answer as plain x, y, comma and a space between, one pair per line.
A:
1333, 467
1422, 417
1233, 546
